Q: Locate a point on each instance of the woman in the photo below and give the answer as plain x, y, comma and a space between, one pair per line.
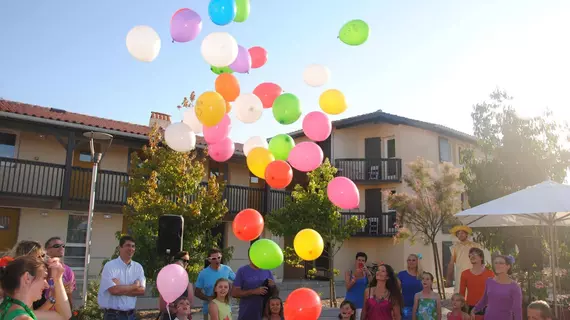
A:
473, 280
383, 299
356, 282
182, 259
502, 296
411, 283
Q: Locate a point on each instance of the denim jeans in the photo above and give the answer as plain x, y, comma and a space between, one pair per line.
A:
111, 315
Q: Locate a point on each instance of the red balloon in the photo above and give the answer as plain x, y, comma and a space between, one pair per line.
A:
258, 57
303, 304
278, 174
248, 225
267, 92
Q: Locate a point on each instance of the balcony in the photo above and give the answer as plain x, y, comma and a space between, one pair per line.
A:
378, 224
370, 171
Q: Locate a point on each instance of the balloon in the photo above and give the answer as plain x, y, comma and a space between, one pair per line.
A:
316, 75
287, 108
317, 126
302, 304
222, 12
254, 142
242, 63
219, 49
354, 32
308, 244
228, 86
343, 193
248, 108
143, 43
267, 92
265, 254
228, 107
242, 10
191, 120
306, 156
171, 282
258, 57
332, 101
185, 25
248, 225
210, 108
218, 132
218, 70
257, 161
278, 174
179, 137
281, 145
222, 151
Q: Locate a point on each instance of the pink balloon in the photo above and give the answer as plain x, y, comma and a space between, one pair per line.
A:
218, 132
258, 57
306, 156
343, 193
222, 151
317, 126
171, 282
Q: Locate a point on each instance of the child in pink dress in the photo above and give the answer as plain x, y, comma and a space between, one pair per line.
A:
458, 311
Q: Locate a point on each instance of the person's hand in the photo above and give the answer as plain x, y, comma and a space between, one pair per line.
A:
261, 291
56, 269
116, 281
352, 280
472, 315
271, 283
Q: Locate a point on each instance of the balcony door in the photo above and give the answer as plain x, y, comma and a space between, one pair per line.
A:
81, 173
373, 208
255, 193
390, 153
372, 155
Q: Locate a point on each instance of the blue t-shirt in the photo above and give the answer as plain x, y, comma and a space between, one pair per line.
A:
208, 277
410, 286
248, 278
356, 293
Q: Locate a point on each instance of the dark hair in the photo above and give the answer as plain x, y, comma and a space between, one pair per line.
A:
215, 295
26, 248
267, 311
48, 242
180, 255
509, 260
478, 252
180, 299
392, 285
543, 307
124, 239
352, 306
214, 250
361, 254
10, 274
428, 274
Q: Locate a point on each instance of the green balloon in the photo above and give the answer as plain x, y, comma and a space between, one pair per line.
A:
280, 146
286, 108
354, 32
266, 254
242, 10
220, 70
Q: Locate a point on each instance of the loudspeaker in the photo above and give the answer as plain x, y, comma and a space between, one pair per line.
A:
530, 253
170, 234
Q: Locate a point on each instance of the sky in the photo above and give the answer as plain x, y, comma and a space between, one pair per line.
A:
427, 60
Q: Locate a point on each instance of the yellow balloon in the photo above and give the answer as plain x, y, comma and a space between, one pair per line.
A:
308, 244
257, 160
332, 101
210, 108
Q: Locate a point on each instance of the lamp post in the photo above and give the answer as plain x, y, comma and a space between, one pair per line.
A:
95, 159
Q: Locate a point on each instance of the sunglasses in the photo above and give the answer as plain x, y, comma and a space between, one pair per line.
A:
214, 258
58, 245
184, 261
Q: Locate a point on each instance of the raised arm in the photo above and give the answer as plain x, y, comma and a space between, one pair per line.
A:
349, 281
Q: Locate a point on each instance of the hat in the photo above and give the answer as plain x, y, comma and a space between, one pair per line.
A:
460, 227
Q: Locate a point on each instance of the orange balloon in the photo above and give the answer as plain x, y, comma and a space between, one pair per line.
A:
248, 225
303, 304
278, 174
228, 86
228, 107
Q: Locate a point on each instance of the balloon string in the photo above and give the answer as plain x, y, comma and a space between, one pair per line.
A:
167, 308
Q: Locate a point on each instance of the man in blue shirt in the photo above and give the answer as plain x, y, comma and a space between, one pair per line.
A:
207, 278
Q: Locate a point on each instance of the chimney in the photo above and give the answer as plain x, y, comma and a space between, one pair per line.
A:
161, 119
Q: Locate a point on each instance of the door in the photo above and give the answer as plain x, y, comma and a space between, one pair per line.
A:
372, 209
9, 223
321, 264
255, 193
217, 170
81, 172
372, 155
326, 147
392, 169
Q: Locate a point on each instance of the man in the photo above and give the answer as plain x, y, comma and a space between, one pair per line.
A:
208, 276
252, 286
122, 280
460, 260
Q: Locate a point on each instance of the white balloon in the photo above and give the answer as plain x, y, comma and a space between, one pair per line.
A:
179, 137
316, 75
254, 142
248, 108
191, 120
143, 43
219, 49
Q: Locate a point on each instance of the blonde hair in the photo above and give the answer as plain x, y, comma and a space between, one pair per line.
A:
462, 298
27, 248
215, 295
419, 269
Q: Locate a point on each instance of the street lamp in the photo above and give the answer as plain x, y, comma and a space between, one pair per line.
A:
95, 159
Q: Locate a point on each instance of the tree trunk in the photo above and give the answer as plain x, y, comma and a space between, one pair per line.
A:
438, 271
332, 289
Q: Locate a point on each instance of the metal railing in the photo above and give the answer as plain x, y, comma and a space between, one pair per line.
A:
377, 224
381, 170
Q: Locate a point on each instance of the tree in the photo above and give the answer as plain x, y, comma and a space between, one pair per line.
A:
309, 207
436, 198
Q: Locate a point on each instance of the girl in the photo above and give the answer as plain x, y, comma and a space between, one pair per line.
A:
274, 309
183, 309
411, 283
427, 304
458, 305
539, 310
347, 311
219, 308
383, 299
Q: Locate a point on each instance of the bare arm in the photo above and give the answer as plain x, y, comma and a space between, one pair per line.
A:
364, 307
348, 280
200, 294
415, 308
396, 312
190, 293
213, 310
123, 289
438, 304
62, 305
46, 315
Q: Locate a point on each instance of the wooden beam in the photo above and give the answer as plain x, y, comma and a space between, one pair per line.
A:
71, 143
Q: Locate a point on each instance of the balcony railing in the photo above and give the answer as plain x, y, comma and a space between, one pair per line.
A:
377, 225
370, 170
31, 178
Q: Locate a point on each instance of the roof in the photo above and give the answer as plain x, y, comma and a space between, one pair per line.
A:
380, 116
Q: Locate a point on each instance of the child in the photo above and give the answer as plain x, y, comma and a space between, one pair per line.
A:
539, 310
273, 309
183, 310
347, 311
427, 305
459, 306
219, 308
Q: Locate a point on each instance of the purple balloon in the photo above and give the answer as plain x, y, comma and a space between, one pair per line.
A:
185, 25
242, 64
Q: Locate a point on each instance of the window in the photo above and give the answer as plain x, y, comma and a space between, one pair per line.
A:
7, 145
391, 148
444, 150
76, 237
386, 205
4, 222
459, 152
85, 156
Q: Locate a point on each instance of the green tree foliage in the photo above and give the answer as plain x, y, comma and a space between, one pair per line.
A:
309, 207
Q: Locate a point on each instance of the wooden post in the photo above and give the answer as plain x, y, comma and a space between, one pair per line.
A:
68, 170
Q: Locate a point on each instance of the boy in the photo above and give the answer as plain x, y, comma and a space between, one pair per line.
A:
183, 309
